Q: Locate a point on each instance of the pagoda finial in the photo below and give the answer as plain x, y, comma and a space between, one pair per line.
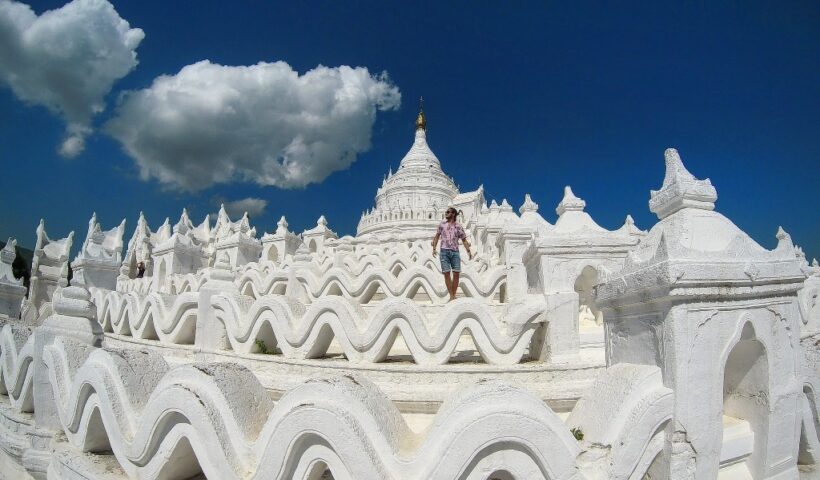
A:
421, 120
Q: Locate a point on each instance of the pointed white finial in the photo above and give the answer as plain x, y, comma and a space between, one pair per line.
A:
10, 244
784, 240
184, 223
680, 189
7, 256
528, 205
814, 263
570, 203
629, 227
322, 221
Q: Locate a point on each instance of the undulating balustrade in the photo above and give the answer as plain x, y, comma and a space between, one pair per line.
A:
364, 305
155, 316
16, 356
161, 421
216, 419
157, 419
501, 335
391, 261
373, 284
302, 332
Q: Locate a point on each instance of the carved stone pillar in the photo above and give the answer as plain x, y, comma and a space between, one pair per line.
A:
74, 317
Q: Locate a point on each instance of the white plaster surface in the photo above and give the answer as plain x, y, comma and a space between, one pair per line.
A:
685, 352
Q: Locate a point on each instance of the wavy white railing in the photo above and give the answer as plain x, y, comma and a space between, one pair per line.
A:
369, 256
217, 418
156, 316
189, 282
16, 371
364, 287
301, 333
135, 285
624, 413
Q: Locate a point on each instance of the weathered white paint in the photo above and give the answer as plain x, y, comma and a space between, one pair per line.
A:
685, 352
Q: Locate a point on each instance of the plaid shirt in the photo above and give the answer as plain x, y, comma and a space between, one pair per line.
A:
450, 234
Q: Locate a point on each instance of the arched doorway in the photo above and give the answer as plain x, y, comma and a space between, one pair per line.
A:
161, 270
312, 246
589, 316
273, 253
745, 404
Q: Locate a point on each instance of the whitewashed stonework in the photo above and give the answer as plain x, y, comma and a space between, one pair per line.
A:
280, 245
100, 257
139, 250
318, 238
414, 198
684, 352
12, 291
186, 250
236, 239
49, 270
718, 314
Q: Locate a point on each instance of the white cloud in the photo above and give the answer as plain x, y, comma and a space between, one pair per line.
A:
66, 59
263, 123
237, 208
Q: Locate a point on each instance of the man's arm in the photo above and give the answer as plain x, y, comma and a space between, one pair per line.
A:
435, 242
467, 246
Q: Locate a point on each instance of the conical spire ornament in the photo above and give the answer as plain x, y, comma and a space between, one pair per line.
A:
528, 205
421, 120
570, 203
680, 189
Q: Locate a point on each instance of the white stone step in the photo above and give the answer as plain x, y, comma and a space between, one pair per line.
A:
738, 445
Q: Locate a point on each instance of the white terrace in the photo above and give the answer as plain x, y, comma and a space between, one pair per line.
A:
572, 351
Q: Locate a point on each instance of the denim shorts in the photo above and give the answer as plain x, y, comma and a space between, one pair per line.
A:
450, 260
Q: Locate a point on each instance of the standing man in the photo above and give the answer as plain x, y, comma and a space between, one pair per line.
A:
450, 232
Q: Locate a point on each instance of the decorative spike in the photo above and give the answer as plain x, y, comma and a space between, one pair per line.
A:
528, 205
784, 240
680, 189
570, 203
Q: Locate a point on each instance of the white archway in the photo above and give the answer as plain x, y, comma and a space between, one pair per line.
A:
161, 273
589, 316
746, 396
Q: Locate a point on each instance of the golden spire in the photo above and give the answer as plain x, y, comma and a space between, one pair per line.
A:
421, 121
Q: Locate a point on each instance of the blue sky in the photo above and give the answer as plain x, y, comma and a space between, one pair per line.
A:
524, 99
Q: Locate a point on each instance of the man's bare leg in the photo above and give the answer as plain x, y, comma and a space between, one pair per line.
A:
454, 285
447, 281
